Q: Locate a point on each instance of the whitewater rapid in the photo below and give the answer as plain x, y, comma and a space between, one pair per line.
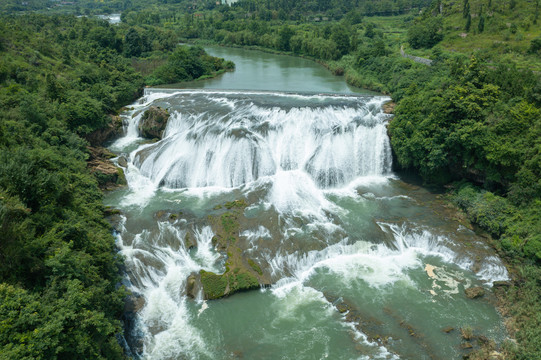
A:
321, 165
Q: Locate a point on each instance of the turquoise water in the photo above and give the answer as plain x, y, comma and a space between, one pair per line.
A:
362, 264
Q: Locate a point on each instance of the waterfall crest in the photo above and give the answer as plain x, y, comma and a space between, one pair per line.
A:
231, 139
322, 220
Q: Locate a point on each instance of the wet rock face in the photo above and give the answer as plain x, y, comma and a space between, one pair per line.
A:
153, 122
193, 285
474, 292
133, 304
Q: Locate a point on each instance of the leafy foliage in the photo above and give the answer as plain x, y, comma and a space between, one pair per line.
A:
426, 33
187, 63
58, 268
466, 117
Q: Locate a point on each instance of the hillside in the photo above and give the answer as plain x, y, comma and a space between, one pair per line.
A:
471, 123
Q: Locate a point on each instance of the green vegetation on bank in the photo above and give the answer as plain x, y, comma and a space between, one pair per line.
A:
60, 79
471, 121
186, 64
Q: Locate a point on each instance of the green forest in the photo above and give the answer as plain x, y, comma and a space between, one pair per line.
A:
62, 79
468, 121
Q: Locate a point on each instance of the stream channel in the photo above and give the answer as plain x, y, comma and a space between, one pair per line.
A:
281, 172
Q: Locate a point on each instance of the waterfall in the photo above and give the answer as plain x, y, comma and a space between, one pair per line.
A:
231, 139
325, 218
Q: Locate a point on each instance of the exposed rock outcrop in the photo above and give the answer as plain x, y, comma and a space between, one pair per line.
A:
111, 131
388, 107
241, 273
501, 283
474, 292
109, 176
193, 285
153, 122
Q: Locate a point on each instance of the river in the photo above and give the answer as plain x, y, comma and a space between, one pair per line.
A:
282, 173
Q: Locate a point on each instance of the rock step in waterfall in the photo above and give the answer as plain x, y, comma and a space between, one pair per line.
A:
293, 194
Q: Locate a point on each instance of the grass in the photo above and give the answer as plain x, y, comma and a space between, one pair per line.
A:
254, 266
230, 224
506, 36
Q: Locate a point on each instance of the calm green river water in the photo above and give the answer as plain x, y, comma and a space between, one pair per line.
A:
362, 264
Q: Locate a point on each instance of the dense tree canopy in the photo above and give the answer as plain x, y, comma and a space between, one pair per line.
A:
472, 123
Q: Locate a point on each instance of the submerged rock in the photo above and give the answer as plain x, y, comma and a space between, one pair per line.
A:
447, 329
474, 292
153, 122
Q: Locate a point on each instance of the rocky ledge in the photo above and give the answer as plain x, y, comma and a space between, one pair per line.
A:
241, 273
153, 122
109, 176
109, 132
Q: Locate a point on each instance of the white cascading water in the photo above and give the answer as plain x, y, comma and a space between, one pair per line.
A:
237, 141
299, 154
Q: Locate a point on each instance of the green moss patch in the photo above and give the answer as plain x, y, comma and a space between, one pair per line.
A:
254, 266
240, 274
214, 286
217, 286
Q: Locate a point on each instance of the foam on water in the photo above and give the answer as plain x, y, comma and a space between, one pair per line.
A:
294, 153
235, 142
161, 275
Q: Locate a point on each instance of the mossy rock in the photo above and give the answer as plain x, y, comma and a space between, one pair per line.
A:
240, 204
214, 286
121, 177
230, 223
474, 292
217, 286
153, 123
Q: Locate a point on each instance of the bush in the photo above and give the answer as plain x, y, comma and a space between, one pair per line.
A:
426, 33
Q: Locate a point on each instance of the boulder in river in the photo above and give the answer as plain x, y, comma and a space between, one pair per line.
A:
153, 122
474, 292
112, 130
193, 285
122, 161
